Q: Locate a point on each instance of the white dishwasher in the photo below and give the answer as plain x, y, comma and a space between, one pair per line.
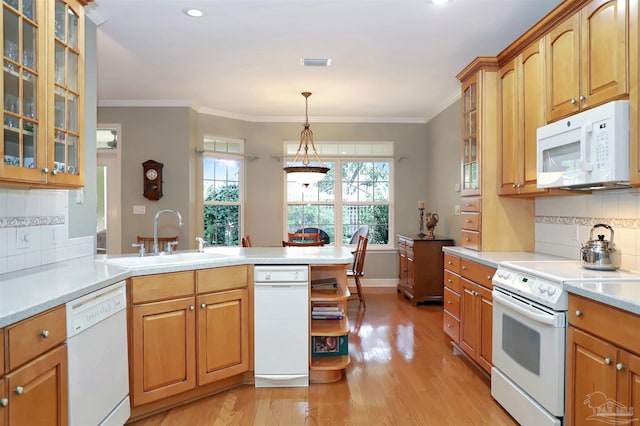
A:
281, 325
98, 360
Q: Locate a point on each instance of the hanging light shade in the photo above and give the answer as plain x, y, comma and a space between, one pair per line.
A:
299, 169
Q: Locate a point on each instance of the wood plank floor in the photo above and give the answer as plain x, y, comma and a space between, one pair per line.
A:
402, 372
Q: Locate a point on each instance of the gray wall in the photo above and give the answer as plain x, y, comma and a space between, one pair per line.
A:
170, 135
83, 217
443, 154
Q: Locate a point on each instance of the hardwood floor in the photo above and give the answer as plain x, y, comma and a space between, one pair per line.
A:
402, 372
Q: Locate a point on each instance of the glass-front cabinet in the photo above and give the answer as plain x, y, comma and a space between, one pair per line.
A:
470, 184
43, 77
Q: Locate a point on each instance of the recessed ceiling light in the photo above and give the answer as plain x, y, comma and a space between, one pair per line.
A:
317, 62
195, 13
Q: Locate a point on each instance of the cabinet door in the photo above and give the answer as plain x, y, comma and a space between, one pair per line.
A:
468, 314
591, 375
510, 138
629, 381
65, 102
411, 272
223, 335
163, 349
4, 401
23, 144
604, 52
402, 273
470, 142
532, 113
562, 51
485, 327
38, 391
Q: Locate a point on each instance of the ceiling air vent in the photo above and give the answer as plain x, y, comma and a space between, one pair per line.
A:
310, 62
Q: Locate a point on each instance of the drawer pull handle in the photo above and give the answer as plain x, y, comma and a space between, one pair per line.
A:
467, 221
464, 268
4, 402
19, 390
619, 366
468, 239
449, 302
203, 306
449, 280
578, 313
44, 333
449, 326
449, 263
607, 361
489, 277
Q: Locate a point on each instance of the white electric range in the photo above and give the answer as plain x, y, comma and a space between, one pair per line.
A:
529, 335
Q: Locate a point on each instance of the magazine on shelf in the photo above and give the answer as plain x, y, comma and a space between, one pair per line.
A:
325, 284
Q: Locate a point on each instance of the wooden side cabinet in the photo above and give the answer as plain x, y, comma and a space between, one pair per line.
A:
421, 268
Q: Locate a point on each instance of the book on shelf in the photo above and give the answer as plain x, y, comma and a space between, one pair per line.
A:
327, 316
325, 284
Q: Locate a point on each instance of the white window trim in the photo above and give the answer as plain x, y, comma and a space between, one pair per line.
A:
338, 203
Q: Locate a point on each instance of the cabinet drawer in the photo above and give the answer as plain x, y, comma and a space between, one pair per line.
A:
27, 338
605, 321
452, 281
476, 272
451, 327
220, 279
452, 302
172, 285
471, 221
470, 239
452, 263
471, 205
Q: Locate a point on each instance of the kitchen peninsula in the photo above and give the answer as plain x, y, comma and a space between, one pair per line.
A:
163, 293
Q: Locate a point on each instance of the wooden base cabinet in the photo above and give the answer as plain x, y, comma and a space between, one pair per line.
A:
421, 266
187, 330
603, 363
35, 388
468, 310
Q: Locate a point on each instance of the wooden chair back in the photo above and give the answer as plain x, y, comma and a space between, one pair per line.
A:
359, 255
303, 237
302, 244
162, 243
246, 241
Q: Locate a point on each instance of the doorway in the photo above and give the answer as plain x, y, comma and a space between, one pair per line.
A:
109, 227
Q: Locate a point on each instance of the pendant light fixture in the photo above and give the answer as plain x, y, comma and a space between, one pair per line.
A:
299, 169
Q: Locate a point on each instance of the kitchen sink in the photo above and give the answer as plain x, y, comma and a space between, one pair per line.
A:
162, 259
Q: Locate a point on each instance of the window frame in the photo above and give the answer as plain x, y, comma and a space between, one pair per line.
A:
338, 203
221, 155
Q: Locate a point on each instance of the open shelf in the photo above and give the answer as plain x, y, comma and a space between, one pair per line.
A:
326, 327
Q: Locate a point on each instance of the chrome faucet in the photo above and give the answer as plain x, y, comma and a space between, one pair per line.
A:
200, 241
155, 226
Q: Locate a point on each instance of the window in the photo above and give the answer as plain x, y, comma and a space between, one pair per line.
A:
223, 184
357, 191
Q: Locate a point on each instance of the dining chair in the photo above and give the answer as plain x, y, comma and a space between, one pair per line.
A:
302, 243
303, 236
246, 241
357, 270
162, 243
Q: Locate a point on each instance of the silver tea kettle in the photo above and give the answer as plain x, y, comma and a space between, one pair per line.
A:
600, 254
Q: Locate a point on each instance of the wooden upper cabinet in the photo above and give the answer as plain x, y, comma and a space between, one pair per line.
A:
470, 147
522, 112
586, 58
42, 91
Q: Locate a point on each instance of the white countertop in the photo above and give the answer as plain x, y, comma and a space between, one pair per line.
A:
32, 291
493, 258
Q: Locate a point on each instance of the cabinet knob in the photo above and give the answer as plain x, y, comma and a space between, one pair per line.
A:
578, 313
467, 221
489, 277
19, 390
449, 263
582, 98
619, 366
449, 280
464, 268
449, 326
468, 239
449, 302
514, 185
45, 170
573, 101
607, 361
191, 308
54, 172
4, 402
203, 306
44, 333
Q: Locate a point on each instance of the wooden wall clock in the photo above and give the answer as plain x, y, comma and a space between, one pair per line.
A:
152, 180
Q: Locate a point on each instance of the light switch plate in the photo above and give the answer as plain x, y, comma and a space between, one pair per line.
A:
457, 210
139, 209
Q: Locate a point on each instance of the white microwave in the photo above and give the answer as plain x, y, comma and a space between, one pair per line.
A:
587, 150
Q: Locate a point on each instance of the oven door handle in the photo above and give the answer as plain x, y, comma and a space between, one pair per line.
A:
514, 305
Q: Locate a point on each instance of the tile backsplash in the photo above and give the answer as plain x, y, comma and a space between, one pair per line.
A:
34, 229
563, 223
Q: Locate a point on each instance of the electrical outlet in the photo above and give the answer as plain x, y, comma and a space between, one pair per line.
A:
457, 210
139, 209
23, 240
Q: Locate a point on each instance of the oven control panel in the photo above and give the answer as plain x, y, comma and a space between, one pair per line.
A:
538, 289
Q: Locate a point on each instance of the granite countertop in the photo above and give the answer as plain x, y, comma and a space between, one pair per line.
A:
31, 291
494, 258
